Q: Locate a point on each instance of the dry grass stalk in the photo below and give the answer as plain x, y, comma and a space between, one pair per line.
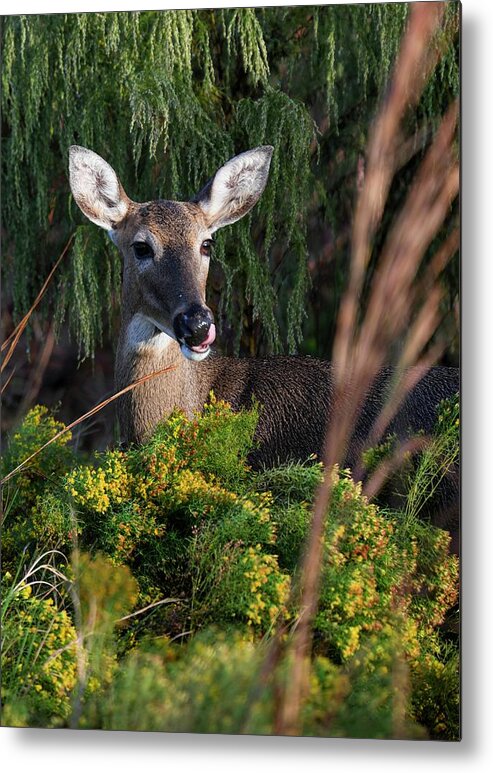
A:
36, 378
360, 352
8, 380
403, 383
85, 416
414, 65
439, 261
13, 338
420, 333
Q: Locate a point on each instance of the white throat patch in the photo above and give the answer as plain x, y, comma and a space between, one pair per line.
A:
142, 337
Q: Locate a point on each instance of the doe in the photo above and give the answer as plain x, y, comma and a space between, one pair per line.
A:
166, 246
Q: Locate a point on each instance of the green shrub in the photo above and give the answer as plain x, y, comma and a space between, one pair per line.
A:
438, 459
243, 585
435, 694
181, 502
39, 663
363, 571
209, 684
292, 487
184, 534
38, 427
377, 703
215, 443
202, 687
36, 513
382, 573
103, 594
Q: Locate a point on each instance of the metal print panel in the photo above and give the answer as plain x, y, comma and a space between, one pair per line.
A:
230, 385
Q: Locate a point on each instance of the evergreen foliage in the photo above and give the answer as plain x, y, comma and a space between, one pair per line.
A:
167, 97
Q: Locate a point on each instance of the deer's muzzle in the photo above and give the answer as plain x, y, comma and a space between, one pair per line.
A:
195, 331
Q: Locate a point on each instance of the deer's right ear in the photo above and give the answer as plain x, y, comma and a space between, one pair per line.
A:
96, 188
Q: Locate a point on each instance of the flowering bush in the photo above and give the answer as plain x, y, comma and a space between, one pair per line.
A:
39, 663
183, 533
34, 513
375, 566
38, 428
247, 586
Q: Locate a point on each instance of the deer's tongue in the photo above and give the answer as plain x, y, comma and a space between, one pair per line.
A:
211, 337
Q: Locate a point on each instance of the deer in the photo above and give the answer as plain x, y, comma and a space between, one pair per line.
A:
166, 248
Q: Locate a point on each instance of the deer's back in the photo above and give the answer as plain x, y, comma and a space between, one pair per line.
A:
296, 395
296, 399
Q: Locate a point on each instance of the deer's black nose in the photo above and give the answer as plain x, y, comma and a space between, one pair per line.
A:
192, 326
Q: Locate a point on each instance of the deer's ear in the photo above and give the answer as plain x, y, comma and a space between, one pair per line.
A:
96, 188
235, 187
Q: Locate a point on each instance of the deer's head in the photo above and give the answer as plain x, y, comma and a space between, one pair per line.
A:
166, 245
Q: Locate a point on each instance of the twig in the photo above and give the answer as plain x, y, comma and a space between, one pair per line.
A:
145, 609
13, 338
9, 379
38, 374
87, 415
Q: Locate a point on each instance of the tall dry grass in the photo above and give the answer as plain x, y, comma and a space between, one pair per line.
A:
398, 306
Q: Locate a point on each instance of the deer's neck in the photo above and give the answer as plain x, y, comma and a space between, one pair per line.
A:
142, 350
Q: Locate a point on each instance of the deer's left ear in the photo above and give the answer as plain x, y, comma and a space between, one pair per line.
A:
235, 188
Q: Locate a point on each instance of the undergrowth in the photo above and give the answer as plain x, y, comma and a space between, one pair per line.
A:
141, 589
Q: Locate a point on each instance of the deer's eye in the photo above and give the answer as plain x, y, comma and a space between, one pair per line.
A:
142, 251
206, 247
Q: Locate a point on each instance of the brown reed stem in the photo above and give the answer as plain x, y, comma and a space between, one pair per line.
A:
404, 383
39, 371
85, 416
359, 358
412, 69
13, 338
7, 382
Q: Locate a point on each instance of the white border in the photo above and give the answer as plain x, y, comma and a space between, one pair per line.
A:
76, 750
